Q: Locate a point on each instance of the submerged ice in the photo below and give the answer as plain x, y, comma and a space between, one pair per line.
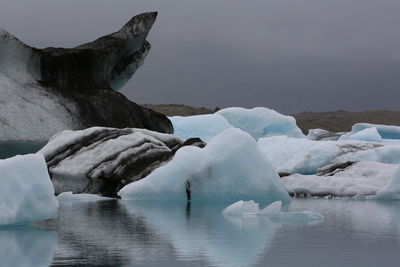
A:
26, 192
230, 168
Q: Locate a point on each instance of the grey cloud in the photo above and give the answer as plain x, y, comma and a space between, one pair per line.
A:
291, 55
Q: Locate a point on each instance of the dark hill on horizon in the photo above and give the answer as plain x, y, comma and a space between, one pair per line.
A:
334, 121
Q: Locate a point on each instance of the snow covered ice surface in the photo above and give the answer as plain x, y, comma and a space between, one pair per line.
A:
26, 192
361, 179
203, 126
230, 168
261, 122
69, 196
303, 156
273, 211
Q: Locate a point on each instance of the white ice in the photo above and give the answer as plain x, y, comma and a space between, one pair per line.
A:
26, 192
300, 155
202, 126
261, 122
273, 211
230, 168
360, 179
69, 196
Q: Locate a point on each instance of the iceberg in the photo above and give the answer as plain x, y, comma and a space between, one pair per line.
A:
103, 160
261, 122
303, 156
53, 89
385, 131
26, 192
359, 180
273, 211
368, 134
230, 168
204, 127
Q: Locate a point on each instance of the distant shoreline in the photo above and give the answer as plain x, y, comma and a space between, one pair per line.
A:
334, 121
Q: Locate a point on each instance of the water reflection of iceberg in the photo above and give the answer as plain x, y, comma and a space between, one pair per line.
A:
201, 232
103, 234
26, 246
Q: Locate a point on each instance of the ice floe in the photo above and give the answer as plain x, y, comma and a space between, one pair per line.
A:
69, 196
273, 211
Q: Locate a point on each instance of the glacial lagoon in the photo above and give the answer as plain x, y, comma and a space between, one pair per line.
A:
127, 233
11, 149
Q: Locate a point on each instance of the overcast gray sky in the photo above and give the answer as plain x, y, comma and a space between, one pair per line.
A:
290, 55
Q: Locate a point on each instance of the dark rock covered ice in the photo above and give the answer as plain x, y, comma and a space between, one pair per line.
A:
103, 160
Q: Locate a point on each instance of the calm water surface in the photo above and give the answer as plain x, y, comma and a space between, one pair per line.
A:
118, 233
11, 149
